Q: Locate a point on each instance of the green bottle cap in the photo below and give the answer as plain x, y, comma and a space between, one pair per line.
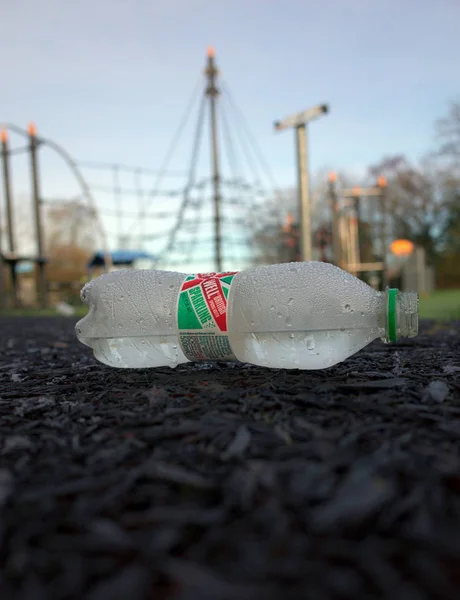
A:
392, 329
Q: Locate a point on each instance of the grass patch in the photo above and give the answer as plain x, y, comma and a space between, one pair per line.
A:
443, 305
80, 311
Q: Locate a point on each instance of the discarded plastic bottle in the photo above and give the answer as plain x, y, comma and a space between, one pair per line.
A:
308, 315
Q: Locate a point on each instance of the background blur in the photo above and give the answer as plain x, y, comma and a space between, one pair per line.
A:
122, 151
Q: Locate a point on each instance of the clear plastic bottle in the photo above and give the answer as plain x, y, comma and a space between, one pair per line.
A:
309, 315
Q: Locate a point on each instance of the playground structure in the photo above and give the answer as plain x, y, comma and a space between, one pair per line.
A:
398, 262
410, 266
341, 238
346, 218
11, 258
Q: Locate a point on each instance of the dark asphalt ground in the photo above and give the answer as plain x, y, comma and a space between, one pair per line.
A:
227, 481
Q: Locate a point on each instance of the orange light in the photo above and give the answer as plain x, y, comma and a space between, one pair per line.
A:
4, 136
32, 130
288, 222
356, 191
402, 247
332, 177
210, 53
382, 181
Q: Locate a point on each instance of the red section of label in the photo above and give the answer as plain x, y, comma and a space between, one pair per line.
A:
201, 277
213, 294
216, 301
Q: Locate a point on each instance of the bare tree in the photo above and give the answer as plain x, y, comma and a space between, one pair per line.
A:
414, 200
447, 156
448, 139
268, 236
70, 240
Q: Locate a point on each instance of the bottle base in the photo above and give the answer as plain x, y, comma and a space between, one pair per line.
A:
305, 350
137, 352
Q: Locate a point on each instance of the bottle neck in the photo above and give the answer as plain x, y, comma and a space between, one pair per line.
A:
401, 314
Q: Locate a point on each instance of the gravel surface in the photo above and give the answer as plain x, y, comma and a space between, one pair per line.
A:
228, 481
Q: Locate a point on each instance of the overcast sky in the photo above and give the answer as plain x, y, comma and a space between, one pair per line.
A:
110, 79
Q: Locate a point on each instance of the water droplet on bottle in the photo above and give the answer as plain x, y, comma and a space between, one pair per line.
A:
291, 336
310, 342
279, 315
290, 301
172, 286
288, 322
252, 323
347, 307
293, 270
272, 307
122, 297
120, 326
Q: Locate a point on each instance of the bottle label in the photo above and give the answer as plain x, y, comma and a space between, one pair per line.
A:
202, 316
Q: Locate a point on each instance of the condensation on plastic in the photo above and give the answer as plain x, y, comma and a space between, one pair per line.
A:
307, 315
294, 315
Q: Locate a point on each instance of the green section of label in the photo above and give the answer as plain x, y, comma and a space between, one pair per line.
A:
202, 316
187, 318
228, 279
